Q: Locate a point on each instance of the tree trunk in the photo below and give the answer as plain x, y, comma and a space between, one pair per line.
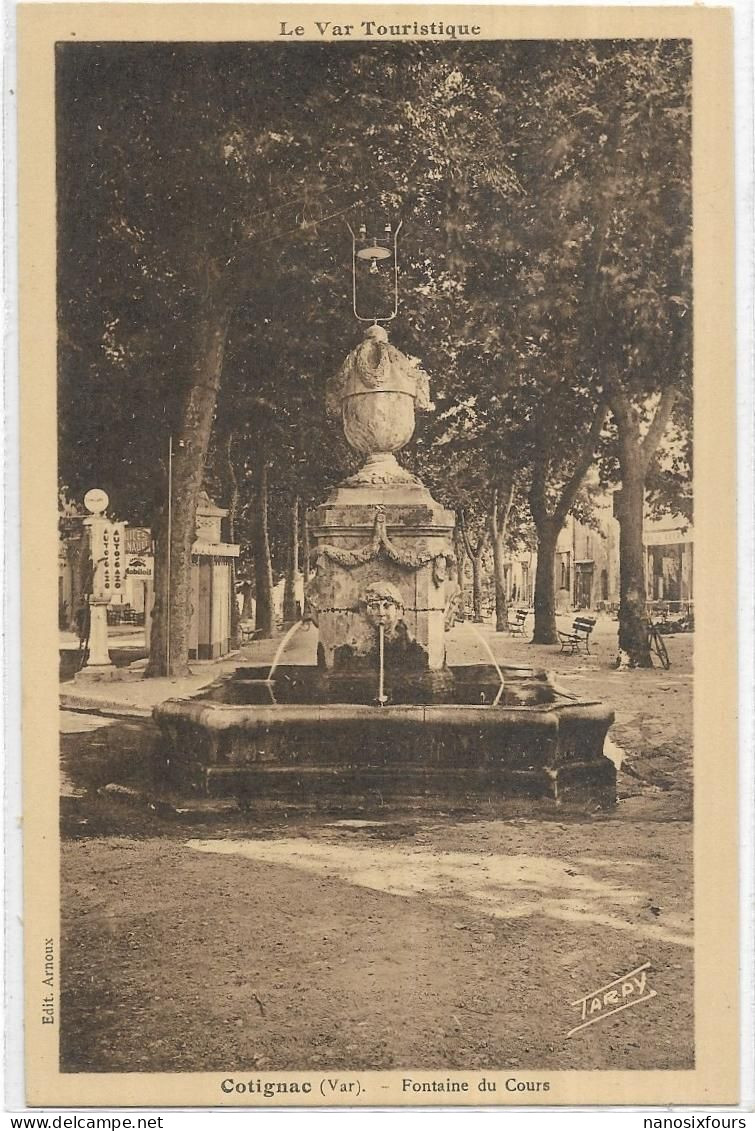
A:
247, 609
292, 565
500, 510
550, 523
233, 507
461, 561
475, 555
306, 551
172, 613
263, 565
477, 585
499, 574
635, 455
633, 637
546, 631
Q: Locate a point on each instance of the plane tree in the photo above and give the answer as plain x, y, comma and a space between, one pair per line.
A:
204, 186
192, 177
603, 320
641, 328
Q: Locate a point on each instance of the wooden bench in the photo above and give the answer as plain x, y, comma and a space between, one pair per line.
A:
246, 631
516, 626
579, 637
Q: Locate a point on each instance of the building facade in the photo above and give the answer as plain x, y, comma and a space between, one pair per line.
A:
669, 546
587, 564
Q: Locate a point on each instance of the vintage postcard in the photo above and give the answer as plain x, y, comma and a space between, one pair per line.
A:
379, 573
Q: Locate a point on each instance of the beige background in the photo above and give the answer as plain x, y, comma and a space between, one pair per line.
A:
716, 1077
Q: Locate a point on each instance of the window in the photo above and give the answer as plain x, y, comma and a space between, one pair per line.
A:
565, 571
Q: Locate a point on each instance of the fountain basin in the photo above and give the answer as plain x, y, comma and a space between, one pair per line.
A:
289, 742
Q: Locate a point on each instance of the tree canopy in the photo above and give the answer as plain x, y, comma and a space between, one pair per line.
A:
545, 260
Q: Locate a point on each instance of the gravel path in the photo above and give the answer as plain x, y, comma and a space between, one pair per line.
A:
430, 942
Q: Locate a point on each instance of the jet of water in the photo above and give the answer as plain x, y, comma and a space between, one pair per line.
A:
493, 660
294, 628
382, 697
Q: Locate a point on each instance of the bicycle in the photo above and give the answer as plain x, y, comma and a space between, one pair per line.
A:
657, 644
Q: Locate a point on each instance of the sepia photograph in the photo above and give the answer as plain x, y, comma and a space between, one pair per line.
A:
376, 400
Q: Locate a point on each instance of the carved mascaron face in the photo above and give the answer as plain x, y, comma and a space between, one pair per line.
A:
383, 605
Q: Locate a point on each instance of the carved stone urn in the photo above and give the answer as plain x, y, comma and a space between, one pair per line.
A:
377, 391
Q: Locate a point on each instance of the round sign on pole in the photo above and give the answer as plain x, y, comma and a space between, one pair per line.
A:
96, 501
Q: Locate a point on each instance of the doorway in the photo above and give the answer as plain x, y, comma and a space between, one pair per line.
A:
584, 586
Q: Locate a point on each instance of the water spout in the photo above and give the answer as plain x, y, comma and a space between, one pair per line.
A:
294, 628
382, 698
493, 660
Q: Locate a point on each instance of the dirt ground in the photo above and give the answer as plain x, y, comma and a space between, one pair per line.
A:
220, 943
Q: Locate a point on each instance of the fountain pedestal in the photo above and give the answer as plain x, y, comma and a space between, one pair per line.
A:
403, 542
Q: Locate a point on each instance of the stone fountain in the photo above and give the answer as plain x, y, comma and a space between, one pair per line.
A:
382, 719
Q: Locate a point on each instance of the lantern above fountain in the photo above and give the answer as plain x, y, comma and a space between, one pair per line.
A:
381, 525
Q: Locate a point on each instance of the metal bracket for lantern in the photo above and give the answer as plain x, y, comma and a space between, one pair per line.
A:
375, 251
